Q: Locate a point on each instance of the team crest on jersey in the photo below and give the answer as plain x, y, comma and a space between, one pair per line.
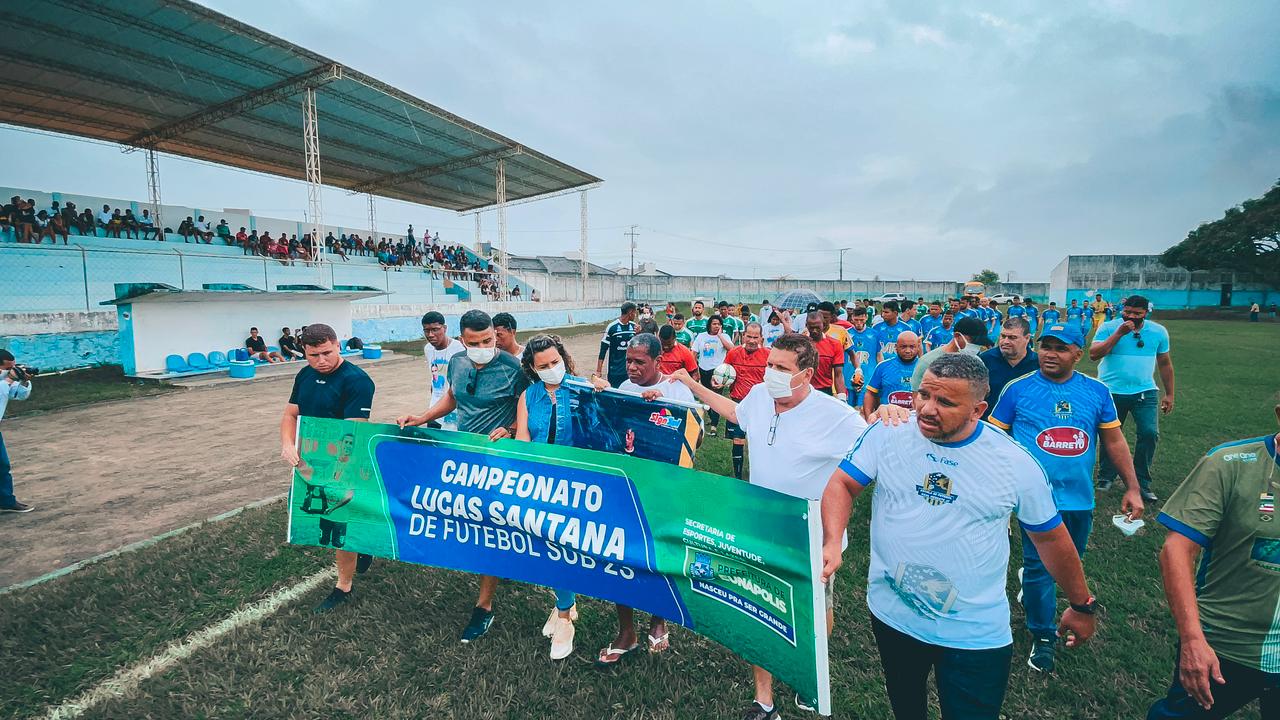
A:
1062, 408
1063, 441
936, 489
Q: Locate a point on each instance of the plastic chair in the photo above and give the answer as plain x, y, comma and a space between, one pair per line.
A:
176, 364
273, 348
198, 361
218, 359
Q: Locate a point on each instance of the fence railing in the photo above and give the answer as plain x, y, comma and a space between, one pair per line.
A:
68, 278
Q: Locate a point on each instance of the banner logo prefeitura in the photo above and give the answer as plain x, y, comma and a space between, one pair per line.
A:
760, 595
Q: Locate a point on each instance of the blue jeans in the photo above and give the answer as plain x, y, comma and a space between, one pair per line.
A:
1243, 685
971, 683
6, 477
1145, 407
1039, 593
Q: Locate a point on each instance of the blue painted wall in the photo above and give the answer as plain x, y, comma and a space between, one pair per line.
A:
64, 350
1179, 299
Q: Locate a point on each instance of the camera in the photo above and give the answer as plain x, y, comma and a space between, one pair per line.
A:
23, 373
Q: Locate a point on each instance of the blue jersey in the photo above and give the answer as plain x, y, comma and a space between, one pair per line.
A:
913, 324
1051, 316
1032, 312
940, 336
861, 353
887, 337
928, 323
1059, 424
1016, 311
968, 313
892, 381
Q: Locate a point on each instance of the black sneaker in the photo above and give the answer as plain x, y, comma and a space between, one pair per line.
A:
363, 562
481, 619
806, 705
17, 507
1042, 650
1149, 496
1105, 484
755, 712
336, 598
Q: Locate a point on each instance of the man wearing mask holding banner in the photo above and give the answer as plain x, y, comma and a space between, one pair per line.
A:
795, 439
484, 387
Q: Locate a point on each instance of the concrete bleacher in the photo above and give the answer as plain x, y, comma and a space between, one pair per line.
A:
80, 275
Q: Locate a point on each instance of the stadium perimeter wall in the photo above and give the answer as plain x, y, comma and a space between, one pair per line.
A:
59, 341
1079, 277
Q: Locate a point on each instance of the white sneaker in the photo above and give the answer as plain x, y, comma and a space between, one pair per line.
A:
562, 639
1020, 585
549, 627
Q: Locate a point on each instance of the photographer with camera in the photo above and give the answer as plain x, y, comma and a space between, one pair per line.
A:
16, 386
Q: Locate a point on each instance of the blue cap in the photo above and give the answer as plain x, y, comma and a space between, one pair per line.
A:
1069, 334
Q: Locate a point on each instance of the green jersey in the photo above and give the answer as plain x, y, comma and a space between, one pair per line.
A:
684, 337
1227, 506
733, 326
696, 326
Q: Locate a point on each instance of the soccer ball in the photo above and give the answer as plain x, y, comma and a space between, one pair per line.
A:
723, 376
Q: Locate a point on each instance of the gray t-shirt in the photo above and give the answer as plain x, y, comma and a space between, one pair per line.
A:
486, 396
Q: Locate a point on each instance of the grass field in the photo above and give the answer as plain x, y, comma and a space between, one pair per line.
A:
81, 387
394, 652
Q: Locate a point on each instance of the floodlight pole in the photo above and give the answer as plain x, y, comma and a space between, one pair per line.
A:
153, 191
477, 232
583, 249
842, 252
311, 147
373, 218
502, 225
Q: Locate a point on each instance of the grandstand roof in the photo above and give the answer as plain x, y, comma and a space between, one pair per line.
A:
181, 78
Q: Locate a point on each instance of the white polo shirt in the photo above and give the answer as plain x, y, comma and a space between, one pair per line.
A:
940, 529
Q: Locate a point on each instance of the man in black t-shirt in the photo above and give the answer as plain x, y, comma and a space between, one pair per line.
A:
290, 348
257, 348
328, 387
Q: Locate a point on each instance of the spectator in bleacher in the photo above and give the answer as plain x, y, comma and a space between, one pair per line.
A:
290, 348
24, 221
71, 218
203, 230
257, 348
8, 212
224, 232
88, 225
129, 223
186, 229
52, 227
338, 248
104, 219
242, 239
147, 225
308, 247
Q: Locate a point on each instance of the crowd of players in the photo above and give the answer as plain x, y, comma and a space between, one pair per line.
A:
959, 421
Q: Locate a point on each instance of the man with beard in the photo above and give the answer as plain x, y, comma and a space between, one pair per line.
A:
891, 382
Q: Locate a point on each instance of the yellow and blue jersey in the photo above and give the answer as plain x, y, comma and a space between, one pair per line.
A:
1059, 423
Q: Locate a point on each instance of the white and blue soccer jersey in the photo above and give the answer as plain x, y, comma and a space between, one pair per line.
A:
771, 332
1059, 423
1075, 315
928, 323
940, 529
862, 353
940, 336
913, 324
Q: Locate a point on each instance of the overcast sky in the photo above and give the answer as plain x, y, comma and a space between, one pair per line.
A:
934, 140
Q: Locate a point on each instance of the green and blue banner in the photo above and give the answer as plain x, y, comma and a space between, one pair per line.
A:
733, 561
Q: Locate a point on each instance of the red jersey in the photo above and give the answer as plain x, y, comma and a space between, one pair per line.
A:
679, 357
750, 369
842, 323
830, 354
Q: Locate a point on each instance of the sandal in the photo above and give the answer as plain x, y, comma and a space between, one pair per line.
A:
660, 643
603, 659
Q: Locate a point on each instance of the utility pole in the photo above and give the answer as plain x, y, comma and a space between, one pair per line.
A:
632, 234
842, 252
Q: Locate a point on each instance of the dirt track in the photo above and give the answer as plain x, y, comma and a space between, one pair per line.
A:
110, 474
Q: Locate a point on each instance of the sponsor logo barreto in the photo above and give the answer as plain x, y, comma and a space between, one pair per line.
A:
901, 398
1063, 441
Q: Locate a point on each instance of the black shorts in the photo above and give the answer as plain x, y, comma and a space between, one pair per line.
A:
733, 432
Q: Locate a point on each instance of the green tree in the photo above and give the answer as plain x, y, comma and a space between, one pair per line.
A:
987, 277
1246, 239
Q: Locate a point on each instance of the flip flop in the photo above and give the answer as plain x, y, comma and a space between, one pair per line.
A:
658, 644
616, 653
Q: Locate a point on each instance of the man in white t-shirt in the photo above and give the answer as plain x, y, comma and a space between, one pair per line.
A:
438, 350
946, 484
795, 439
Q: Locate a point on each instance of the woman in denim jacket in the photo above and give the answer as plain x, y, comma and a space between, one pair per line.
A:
542, 415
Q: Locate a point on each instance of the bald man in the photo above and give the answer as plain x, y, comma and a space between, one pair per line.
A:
891, 381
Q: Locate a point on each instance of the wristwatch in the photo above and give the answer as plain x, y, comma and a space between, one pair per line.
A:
1089, 608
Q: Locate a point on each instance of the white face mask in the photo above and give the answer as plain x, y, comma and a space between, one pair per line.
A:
481, 355
971, 348
552, 375
778, 383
